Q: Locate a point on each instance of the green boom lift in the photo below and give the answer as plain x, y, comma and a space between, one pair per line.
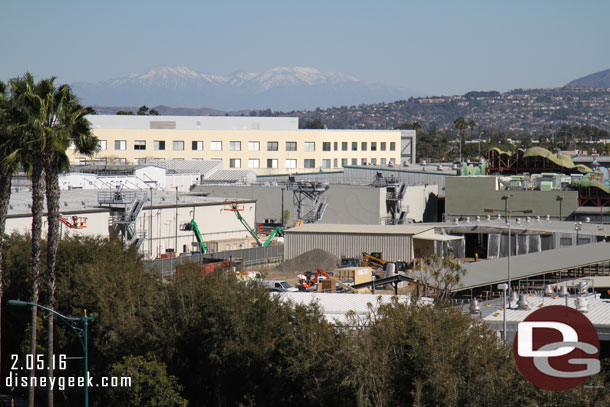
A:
234, 207
192, 225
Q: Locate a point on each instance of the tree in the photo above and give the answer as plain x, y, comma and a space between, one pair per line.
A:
33, 100
150, 384
460, 126
66, 123
124, 113
9, 162
439, 277
142, 111
314, 124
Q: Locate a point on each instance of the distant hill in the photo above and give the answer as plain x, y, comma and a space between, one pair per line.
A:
595, 80
277, 89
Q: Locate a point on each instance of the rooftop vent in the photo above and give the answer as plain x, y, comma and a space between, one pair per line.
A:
563, 291
474, 307
548, 291
163, 125
523, 304
581, 304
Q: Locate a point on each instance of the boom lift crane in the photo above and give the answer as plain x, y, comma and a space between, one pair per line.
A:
307, 282
235, 207
192, 225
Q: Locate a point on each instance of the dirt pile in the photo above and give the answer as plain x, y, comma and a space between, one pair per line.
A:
310, 261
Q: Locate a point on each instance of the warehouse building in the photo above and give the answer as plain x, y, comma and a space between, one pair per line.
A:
155, 219
263, 145
396, 242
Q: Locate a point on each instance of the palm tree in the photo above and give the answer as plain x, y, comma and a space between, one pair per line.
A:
460, 125
9, 147
66, 124
33, 101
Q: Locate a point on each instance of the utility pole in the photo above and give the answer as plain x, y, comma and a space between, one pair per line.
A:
176, 238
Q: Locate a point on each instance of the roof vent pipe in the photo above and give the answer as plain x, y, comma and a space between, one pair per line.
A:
523, 304
563, 291
581, 304
474, 306
548, 291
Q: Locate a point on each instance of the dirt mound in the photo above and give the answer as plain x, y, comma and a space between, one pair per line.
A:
310, 261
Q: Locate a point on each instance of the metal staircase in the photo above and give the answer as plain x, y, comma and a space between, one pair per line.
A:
125, 207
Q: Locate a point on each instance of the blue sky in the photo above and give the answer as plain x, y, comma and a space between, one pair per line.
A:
437, 47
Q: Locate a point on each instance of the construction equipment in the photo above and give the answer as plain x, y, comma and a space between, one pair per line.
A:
192, 225
75, 222
373, 259
237, 207
309, 280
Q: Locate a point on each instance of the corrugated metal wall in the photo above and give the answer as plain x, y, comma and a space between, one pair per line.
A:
394, 247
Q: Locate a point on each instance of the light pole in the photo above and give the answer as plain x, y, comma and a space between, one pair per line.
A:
71, 322
577, 228
560, 199
504, 288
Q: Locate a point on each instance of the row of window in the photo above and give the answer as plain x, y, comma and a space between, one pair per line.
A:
308, 146
291, 163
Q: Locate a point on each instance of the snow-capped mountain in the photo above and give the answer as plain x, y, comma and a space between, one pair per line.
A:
279, 89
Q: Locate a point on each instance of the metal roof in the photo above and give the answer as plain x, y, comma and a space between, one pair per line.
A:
335, 305
598, 314
495, 271
186, 166
232, 175
361, 229
548, 226
86, 200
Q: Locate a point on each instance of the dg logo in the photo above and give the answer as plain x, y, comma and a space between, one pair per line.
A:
557, 348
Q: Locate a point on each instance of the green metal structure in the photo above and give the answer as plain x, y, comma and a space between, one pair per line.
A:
192, 225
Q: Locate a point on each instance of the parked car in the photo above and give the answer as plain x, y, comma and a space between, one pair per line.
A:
278, 286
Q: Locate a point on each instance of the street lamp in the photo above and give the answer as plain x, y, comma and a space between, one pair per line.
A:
560, 199
577, 228
504, 288
508, 213
71, 322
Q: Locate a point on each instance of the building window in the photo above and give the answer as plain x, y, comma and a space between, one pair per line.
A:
383, 161
343, 162
235, 145
234, 163
137, 161
354, 146
392, 161
373, 161
335, 163
373, 146
101, 144
271, 162
159, 145
309, 163
382, 146
216, 145
326, 164
354, 161
363, 146
120, 144
363, 161
139, 145
254, 163
326, 146
291, 163
272, 145
291, 146
344, 146
309, 146
335, 146
392, 146
254, 146
178, 145
197, 145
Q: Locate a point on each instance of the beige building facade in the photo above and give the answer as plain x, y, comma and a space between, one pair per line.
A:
265, 149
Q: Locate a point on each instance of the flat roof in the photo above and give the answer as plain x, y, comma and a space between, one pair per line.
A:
360, 229
85, 200
107, 121
489, 272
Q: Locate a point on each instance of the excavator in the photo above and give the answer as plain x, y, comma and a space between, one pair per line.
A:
278, 231
192, 225
308, 280
375, 260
